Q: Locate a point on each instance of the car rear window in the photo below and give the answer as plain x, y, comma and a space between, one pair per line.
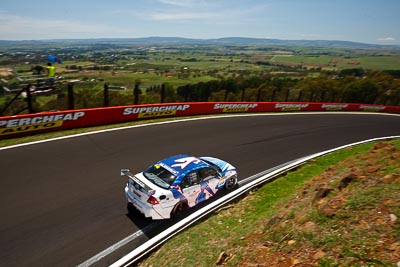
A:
159, 176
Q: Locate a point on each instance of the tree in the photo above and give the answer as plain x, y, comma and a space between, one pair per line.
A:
230, 87
361, 91
136, 92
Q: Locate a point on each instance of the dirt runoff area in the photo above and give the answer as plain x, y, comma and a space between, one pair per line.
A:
346, 216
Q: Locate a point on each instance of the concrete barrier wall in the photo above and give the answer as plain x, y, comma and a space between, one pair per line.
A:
29, 124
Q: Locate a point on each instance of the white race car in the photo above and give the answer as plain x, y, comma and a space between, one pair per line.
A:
174, 184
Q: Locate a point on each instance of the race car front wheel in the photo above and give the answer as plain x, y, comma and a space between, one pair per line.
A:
231, 182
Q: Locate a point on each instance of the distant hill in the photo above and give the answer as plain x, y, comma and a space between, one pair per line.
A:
304, 43
222, 41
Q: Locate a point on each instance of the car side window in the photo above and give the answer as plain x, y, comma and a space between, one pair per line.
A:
190, 179
207, 173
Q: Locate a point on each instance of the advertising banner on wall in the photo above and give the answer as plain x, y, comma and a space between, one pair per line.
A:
29, 124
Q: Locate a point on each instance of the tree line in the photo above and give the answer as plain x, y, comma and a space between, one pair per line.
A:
348, 86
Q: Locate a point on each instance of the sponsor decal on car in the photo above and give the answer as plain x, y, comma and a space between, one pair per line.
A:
235, 107
36, 123
137, 181
158, 111
165, 166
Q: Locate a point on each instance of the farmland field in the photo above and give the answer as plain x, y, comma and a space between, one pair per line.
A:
365, 62
381, 62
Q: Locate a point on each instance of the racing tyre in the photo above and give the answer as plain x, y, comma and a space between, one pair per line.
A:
231, 182
131, 209
179, 208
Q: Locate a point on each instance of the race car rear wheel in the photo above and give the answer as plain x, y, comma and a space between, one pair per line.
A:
231, 182
179, 208
131, 209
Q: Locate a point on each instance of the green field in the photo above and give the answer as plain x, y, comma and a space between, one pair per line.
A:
381, 62
328, 62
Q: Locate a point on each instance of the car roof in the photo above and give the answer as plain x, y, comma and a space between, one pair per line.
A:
182, 164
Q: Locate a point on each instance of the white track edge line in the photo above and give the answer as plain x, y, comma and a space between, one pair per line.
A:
118, 245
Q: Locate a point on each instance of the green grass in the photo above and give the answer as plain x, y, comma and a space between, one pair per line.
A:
380, 63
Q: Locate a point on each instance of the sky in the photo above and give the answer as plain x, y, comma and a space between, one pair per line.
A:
366, 21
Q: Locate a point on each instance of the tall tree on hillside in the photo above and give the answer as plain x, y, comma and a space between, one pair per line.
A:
361, 91
169, 93
277, 85
136, 92
230, 87
387, 86
184, 92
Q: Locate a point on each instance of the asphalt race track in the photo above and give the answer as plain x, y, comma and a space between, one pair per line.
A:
62, 202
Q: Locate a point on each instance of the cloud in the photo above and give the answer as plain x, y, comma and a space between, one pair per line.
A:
180, 3
183, 16
187, 3
18, 27
183, 10
386, 39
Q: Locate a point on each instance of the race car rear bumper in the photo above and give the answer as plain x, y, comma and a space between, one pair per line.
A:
145, 208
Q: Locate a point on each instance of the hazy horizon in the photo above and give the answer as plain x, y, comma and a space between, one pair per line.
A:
366, 21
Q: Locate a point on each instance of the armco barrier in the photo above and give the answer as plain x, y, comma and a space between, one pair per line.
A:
29, 124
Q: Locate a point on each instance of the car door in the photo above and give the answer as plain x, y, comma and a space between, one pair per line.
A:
191, 187
208, 184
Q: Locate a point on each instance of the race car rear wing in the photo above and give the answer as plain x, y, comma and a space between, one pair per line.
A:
142, 184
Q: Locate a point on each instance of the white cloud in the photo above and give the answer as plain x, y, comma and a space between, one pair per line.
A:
187, 3
180, 3
183, 16
183, 10
18, 27
386, 39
